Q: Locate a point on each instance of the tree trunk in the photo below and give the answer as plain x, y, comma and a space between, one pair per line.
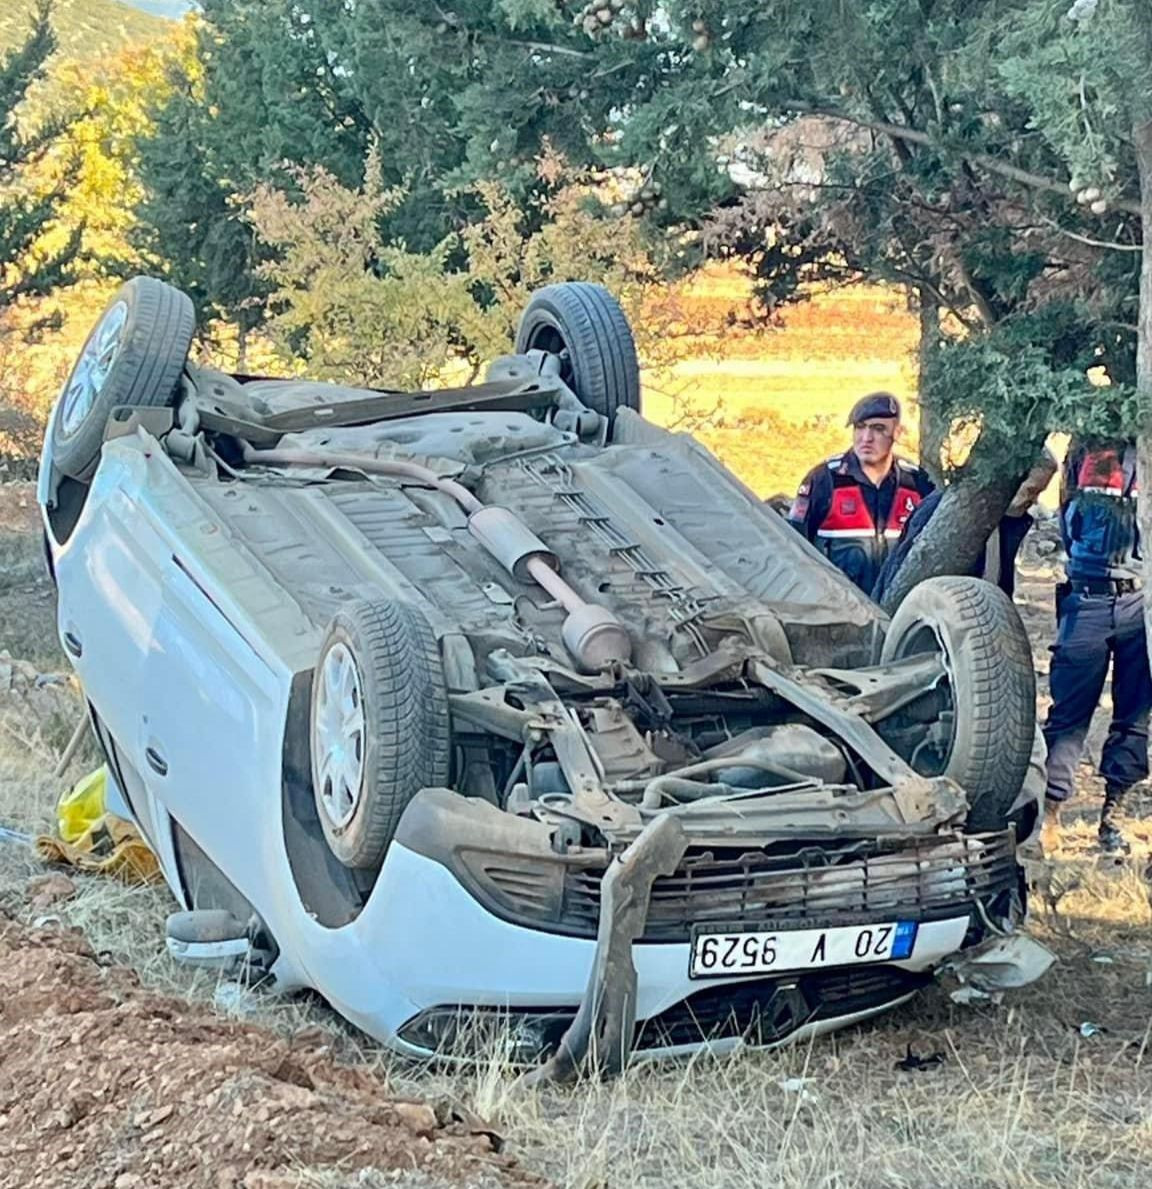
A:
954, 539
1142, 137
932, 428
242, 346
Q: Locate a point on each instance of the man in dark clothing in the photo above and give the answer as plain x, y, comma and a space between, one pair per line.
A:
1101, 622
853, 507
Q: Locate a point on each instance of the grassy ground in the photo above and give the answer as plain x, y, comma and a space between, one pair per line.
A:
1024, 1094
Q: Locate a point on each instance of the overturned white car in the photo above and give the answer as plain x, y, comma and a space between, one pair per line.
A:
502, 704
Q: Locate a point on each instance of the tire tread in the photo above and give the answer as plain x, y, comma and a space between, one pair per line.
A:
995, 691
599, 340
160, 329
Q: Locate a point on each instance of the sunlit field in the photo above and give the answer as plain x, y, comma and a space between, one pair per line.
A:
773, 403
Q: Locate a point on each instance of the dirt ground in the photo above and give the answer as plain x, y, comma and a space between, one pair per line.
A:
120, 1070
104, 1084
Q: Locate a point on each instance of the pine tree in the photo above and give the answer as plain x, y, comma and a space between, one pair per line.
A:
444, 98
189, 225
27, 267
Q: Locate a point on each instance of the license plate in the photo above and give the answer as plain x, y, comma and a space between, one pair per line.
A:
721, 955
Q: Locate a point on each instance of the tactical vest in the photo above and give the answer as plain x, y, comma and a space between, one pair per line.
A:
849, 537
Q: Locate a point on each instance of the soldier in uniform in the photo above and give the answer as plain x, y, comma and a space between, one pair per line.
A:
853, 507
1100, 609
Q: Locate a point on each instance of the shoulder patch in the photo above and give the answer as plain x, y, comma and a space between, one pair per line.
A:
908, 466
834, 461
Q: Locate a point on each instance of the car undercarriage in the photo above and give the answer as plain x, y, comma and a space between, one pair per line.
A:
567, 658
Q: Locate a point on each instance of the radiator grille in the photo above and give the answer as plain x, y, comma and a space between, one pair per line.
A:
913, 878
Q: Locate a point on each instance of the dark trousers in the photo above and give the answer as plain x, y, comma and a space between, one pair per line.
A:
1095, 630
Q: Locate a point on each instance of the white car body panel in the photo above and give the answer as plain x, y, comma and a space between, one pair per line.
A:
421, 926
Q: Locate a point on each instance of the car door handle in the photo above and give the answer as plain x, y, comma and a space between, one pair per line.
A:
156, 761
73, 645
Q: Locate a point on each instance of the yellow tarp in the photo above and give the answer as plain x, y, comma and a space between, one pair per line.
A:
91, 839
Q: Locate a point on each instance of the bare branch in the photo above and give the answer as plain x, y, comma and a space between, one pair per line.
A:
1110, 245
545, 47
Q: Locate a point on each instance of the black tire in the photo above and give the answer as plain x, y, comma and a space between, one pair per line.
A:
405, 739
992, 686
156, 335
584, 324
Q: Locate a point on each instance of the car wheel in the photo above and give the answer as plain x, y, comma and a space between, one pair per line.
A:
585, 327
379, 728
135, 355
979, 725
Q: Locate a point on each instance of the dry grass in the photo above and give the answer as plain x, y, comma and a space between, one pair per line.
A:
991, 1115
1021, 1099
27, 613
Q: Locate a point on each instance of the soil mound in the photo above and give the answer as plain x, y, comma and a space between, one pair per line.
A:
104, 1084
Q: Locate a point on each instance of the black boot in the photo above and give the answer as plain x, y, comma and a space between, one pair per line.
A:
1112, 840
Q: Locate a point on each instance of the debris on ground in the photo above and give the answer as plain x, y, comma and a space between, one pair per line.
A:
799, 1087
28, 695
18, 676
46, 890
1002, 964
92, 839
109, 846
969, 996
107, 1084
914, 1062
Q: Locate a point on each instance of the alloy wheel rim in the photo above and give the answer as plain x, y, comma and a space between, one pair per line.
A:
92, 369
338, 736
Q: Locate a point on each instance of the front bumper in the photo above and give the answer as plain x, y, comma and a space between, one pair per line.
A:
426, 946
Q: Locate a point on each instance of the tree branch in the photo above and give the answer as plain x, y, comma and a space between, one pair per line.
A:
899, 132
545, 47
1110, 245
454, 22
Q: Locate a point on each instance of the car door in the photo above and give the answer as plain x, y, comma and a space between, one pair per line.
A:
212, 736
110, 577
179, 682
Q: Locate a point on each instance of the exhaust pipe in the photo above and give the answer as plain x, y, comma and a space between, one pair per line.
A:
591, 633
